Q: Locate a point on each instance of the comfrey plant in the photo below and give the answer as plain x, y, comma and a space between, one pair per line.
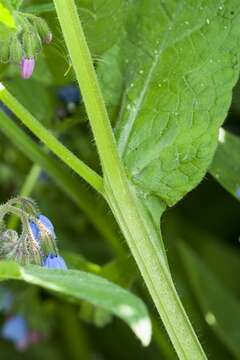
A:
25, 42
37, 242
155, 108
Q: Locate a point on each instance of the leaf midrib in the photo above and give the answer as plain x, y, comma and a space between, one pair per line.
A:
127, 129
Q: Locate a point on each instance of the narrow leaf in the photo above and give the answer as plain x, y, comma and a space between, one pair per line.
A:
225, 167
80, 285
212, 297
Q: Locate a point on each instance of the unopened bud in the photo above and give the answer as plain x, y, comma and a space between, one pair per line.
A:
8, 241
31, 44
4, 52
27, 67
16, 52
43, 30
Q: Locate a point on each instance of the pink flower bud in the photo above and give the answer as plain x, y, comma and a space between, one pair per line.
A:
48, 38
27, 67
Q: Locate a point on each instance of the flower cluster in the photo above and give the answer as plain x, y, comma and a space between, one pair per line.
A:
24, 44
37, 242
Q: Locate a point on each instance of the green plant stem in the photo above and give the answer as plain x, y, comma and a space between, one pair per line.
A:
50, 141
26, 191
121, 197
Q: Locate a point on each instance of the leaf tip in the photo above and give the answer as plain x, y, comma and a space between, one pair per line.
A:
221, 135
143, 329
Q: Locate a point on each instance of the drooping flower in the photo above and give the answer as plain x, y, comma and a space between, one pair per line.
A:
48, 38
53, 261
70, 95
46, 225
15, 329
43, 30
27, 67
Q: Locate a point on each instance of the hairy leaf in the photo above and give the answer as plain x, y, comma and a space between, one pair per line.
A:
179, 62
80, 285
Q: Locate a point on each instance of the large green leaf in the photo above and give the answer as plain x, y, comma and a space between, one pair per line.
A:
179, 62
221, 309
79, 285
226, 163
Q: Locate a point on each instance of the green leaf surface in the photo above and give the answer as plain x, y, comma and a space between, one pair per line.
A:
179, 63
102, 21
225, 167
80, 285
212, 297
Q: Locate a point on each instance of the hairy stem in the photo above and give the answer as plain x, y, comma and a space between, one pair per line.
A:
26, 191
122, 198
51, 141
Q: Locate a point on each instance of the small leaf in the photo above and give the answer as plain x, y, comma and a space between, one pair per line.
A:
80, 285
225, 167
213, 296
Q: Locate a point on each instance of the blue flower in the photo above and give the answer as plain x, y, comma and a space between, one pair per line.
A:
47, 225
53, 261
15, 329
69, 94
